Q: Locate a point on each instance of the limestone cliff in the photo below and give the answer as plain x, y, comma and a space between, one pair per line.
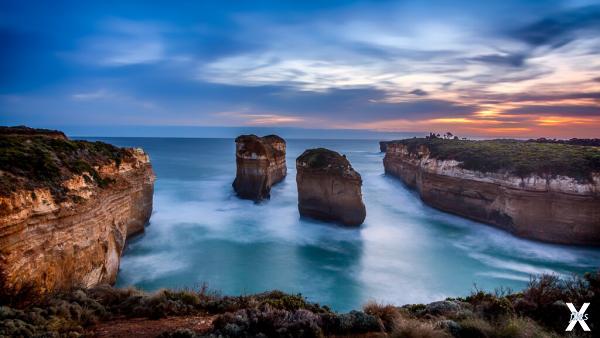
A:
383, 145
551, 208
260, 164
66, 209
329, 188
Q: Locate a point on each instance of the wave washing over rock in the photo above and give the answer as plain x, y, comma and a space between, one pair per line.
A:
67, 208
548, 207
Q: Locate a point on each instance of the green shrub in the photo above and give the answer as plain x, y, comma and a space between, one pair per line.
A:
287, 302
322, 158
185, 297
32, 161
513, 156
545, 297
268, 322
415, 309
490, 306
352, 322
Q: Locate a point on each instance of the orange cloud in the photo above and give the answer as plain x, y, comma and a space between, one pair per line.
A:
496, 123
562, 120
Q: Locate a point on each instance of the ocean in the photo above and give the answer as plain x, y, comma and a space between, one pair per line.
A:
405, 252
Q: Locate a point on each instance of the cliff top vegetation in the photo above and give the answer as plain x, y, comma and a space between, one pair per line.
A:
33, 158
24, 130
521, 158
573, 141
274, 138
259, 145
322, 158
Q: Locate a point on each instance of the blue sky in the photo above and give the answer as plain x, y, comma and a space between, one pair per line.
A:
490, 68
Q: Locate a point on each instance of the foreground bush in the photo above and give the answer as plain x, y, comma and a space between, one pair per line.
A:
538, 311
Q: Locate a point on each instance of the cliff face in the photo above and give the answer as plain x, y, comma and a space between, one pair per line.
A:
71, 231
329, 188
260, 164
559, 209
383, 145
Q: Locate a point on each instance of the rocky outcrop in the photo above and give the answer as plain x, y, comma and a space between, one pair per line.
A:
383, 145
329, 188
260, 164
71, 229
556, 209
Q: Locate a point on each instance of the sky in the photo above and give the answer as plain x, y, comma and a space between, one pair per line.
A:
487, 68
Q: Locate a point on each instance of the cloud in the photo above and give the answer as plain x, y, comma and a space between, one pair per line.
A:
130, 52
123, 43
511, 60
263, 119
560, 28
557, 110
418, 92
90, 96
351, 64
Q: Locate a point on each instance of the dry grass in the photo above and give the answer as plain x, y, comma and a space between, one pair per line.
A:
415, 328
388, 314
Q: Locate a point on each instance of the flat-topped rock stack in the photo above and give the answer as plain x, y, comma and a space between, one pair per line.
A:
260, 164
329, 188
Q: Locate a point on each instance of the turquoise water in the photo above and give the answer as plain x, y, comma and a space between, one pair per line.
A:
405, 252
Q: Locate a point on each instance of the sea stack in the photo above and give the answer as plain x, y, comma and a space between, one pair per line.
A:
260, 164
329, 188
66, 209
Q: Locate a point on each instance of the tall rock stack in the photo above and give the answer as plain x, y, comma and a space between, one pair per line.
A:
329, 188
260, 164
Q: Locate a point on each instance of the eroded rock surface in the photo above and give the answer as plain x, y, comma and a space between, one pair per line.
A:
383, 145
64, 221
260, 164
329, 188
558, 209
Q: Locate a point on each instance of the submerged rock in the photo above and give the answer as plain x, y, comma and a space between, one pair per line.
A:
260, 164
329, 188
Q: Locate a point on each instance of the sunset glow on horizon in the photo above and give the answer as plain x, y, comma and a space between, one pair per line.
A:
498, 69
